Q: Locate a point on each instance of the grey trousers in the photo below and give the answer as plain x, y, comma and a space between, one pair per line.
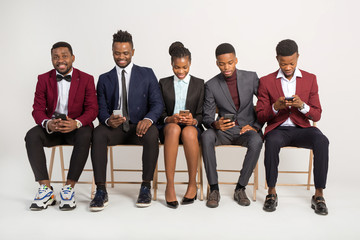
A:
250, 139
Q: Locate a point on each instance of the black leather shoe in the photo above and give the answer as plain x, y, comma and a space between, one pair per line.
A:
186, 200
271, 202
144, 199
173, 204
99, 202
318, 204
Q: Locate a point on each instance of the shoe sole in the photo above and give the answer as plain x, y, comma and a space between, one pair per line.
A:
98, 209
35, 207
66, 207
143, 205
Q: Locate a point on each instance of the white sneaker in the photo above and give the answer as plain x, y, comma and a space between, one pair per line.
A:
44, 197
67, 201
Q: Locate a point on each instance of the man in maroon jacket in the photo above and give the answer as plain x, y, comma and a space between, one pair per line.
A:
287, 99
64, 107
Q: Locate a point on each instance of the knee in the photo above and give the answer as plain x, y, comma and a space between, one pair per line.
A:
152, 135
85, 134
189, 134
273, 143
99, 134
172, 129
322, 141
33, 134
208, 137
256, 142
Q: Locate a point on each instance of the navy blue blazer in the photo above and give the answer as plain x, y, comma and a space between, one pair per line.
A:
144, 95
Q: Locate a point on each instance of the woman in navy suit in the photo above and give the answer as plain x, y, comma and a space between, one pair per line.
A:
181, 121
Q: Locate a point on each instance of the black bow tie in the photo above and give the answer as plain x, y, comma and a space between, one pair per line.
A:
59, 78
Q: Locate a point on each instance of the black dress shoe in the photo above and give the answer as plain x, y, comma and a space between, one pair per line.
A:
173, 204
271, 202
186, 200
318, 204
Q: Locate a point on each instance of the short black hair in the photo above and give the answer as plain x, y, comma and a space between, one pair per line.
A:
286, 47
177, 50
224, 48
62, 44
123, 36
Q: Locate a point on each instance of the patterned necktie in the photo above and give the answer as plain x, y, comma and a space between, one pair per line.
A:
125, 124
66, 78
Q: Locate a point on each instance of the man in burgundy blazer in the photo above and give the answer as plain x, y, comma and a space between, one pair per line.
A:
70, 93
287, 100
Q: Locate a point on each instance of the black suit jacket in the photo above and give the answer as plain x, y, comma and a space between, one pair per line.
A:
194, 98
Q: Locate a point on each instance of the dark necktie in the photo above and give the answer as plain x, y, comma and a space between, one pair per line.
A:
59, 78
125, 124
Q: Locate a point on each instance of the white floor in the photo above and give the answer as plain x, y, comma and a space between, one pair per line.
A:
294, 219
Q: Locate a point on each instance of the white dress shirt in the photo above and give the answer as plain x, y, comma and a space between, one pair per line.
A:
63, 95
289, 89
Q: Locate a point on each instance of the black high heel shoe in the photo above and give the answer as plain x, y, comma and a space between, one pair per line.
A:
173, 204
186, 200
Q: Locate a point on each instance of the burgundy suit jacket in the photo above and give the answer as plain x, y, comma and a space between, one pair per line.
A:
270, 90
82, 103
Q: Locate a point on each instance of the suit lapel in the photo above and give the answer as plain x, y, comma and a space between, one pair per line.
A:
190, 92
299, 85
239, 80
73, 88
224, 87
53, 84
115, 83
278, 85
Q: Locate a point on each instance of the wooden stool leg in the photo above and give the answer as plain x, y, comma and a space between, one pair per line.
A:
310, 168
201, 177
62, 164
155, 182
255, 181
111, 165
53, 150
92, 195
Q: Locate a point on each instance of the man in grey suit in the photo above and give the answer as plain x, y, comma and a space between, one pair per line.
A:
231, 92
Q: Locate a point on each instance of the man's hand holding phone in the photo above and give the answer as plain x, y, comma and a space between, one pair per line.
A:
225, 123
115, 120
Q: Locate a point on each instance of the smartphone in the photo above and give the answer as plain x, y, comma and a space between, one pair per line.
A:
229, 116
289, 99
184, 113
117, 112
60, 116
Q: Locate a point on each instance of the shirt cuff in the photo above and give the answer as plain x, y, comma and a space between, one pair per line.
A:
106, 122
165, 119
149, 119
79, 122
47, 128
305, 110
275, 112
43, 123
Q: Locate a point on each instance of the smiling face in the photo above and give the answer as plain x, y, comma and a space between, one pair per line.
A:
122, 53
62, 60
288, 64
227, 63
181, 67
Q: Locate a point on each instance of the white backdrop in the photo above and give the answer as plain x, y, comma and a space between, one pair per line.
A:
327, 33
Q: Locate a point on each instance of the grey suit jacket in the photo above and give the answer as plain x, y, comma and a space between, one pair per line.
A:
217, 95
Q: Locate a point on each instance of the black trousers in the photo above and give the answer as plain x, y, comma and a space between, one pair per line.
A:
106, 136
37, 138
310, 138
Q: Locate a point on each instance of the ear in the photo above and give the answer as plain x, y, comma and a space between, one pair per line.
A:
236, 60
217, 63
133, 51
73, 58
